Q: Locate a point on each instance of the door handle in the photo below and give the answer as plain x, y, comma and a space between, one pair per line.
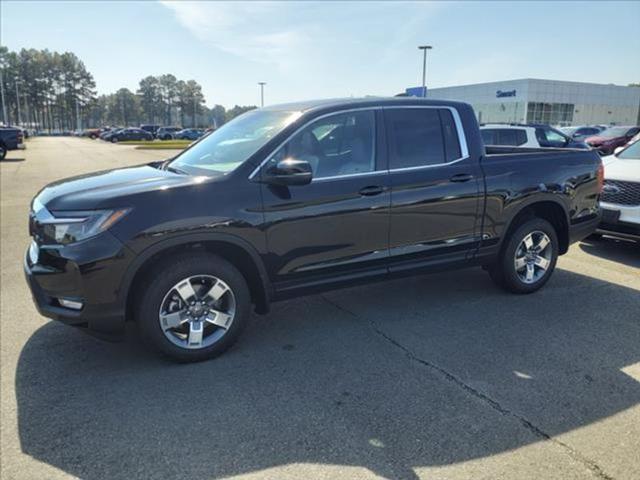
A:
372, 190
461, 177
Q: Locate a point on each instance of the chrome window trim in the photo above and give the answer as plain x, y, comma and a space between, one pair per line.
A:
350, 175
462, 141
425, 167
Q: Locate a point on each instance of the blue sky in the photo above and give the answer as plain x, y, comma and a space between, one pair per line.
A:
332, 49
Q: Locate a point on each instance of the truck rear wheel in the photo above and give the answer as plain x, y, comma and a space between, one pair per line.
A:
193, 307
528, 258
3, 152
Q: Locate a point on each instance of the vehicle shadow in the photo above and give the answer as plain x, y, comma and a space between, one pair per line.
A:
437, 370
9, 160
617, 250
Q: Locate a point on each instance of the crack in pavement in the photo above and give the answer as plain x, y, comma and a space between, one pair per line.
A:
591, 465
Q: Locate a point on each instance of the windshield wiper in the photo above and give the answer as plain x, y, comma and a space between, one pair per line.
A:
175, 170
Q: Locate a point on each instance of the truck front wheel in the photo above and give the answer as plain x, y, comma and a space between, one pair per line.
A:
193, 307
528, 258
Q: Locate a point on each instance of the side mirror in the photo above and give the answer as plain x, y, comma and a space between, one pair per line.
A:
618, 150
289, 172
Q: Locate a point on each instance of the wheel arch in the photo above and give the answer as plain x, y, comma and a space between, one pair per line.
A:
238, 252
553, 211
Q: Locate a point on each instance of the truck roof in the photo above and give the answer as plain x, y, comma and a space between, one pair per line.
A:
307, 105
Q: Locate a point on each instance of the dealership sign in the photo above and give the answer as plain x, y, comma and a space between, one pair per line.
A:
508, 93
416, 92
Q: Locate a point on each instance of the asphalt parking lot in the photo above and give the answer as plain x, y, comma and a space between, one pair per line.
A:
440, 376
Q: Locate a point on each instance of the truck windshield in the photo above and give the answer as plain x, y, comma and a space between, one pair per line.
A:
631, 153
225, 149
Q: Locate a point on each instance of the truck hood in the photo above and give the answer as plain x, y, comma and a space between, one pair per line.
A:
619, 169
109, 188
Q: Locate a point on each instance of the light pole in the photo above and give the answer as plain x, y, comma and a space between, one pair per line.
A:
262, 84
424, 49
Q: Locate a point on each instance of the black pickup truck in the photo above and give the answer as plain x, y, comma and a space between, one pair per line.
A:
297, 198
10, 139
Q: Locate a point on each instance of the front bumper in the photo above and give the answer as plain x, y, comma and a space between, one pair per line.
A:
79, 273
620, 220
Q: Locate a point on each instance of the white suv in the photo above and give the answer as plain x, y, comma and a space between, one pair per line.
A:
533, 135
620, 199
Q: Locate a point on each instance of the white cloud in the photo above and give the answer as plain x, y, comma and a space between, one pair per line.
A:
256, 31
293, 36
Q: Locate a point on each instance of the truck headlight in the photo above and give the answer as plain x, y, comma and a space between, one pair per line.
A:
70, 227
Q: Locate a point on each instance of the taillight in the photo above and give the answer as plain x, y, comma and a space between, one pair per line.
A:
20, 137
600, 177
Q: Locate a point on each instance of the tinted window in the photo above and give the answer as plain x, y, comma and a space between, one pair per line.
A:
488, 137
415, 137
512, 137
340, 144
450, 136
504, 136
587, 131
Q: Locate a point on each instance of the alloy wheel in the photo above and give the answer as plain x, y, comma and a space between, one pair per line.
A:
533, 257
197, 312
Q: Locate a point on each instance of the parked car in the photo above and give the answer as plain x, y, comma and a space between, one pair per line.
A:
531, 135
152, 129
11, 138
92, 133
188, 134
620, 199
611, 138
292, 199
106, 135
130, 134
580, 134
166, 133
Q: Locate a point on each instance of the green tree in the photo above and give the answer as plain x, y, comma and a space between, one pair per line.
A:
238, 110
151, 100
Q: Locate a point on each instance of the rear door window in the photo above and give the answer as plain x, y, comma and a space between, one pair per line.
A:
488, 136
415, 137
512, 137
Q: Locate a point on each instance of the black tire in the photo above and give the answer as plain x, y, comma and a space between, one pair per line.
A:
3, 152
503, 271
161, 280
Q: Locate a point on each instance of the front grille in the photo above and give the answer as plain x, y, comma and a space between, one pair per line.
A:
621, 193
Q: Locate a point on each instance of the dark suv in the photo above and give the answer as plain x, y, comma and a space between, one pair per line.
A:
293, 199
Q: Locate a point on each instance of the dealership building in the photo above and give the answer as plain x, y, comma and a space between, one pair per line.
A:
552, 102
